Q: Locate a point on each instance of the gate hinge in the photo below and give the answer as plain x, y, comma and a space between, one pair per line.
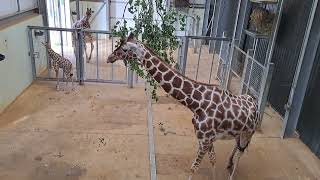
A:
35, 54
287, 106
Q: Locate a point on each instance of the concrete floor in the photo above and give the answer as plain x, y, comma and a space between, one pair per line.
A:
100, 132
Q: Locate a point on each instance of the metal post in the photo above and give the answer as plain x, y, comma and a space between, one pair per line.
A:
206, 17
244, 74
97, 54
81, 61
275, 32
264, 91
232, 46
112, 68
78, 9
61, 43
47, 54
211, 68
212, 43
184, 53
199, 57
32, 53
130, 77
18, 4
301, 77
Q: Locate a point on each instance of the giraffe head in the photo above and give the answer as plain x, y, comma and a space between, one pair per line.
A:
128, 50
46, 44
89, 12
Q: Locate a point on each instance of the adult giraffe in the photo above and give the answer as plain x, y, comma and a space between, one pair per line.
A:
218, 114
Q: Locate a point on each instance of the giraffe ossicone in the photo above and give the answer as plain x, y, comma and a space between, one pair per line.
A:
218, 114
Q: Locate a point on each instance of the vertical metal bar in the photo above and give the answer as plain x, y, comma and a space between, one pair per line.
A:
152, 156
275, 32
198, 64
97, 54
264, 91
184, 54
18, 6
61, 44
78, 9
80, 50
250, 71
197, 32
244, 75
130, 77
206, 17
212, 42
77, 54
47, 55
226, 83
59, 12
211, 68
34, 71
112, 63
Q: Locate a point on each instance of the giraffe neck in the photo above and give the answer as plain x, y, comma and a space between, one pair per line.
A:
53, 54
172, 82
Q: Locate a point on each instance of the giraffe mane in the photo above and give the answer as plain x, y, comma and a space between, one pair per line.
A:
177, 72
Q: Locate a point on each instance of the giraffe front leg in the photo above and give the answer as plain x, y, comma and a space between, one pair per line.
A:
85, 51
91, 49
203, 149
57, 77
212, 158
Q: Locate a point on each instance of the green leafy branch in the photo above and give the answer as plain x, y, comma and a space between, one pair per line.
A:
158, 34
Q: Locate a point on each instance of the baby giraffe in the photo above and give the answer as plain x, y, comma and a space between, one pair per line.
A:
218, 114
57, 61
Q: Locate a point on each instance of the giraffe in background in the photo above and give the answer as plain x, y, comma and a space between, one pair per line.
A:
218, 114
84, 23
57, 62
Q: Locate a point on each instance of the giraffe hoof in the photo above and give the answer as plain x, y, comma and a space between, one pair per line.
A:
230, 168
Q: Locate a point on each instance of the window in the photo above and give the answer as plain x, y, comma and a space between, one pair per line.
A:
12, 7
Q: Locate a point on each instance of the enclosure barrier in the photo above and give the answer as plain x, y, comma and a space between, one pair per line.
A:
200, 64
238, 72
97, 70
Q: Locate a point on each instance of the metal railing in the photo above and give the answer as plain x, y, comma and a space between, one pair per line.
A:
97, 70
201, 64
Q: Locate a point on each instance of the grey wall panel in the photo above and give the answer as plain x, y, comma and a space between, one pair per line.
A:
287, 50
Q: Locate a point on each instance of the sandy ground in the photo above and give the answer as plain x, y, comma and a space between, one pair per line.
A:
99, 132
268, 158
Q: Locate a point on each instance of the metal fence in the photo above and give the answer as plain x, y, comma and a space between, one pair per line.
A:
96, 70
198, 63
228, 65
249, 76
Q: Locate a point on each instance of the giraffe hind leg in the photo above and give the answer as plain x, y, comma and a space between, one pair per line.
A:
202, 150
242, 143
212, 158
91, 49
57, 77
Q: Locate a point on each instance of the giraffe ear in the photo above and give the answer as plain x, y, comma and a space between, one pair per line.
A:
131, 36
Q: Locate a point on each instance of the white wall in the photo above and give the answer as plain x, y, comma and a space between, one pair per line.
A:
15, 70
100, 21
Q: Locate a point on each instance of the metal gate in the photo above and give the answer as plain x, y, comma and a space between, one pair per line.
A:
228, 65
96, 70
